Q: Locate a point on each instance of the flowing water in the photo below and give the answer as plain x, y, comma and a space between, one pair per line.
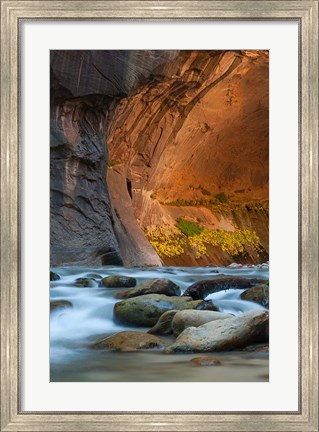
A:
91, 317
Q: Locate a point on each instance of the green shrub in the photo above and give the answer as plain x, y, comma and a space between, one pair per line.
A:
222, 197
188, 228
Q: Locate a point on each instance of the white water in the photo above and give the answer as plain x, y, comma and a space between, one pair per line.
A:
92, 313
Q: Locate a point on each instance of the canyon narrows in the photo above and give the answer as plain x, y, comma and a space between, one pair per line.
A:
159, 157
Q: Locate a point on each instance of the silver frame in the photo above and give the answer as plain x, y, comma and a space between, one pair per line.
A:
303, 11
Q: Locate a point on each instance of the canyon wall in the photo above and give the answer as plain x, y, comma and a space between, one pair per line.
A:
140, 139
85, 85
197, 129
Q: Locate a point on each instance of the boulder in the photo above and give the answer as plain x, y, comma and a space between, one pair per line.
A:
258, 348
223, 335
118, 282
59, 304
94, 276
85, 282
206, 361
195, 318
201, 289
128, 341
54, 276
258, 294
145, 310
164, 324
153, 286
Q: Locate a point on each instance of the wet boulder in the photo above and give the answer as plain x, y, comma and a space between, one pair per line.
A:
195, 318
85, 282
95, 276
153, 286
59, 304
201, 289
54, 276
258, 294
145, 310
118, 282
164, 324
224, 335
129, 341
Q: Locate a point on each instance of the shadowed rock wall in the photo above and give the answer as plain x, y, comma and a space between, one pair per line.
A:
81, 224
178, 125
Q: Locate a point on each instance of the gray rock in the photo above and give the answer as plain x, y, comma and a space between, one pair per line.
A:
195, 318
153, 286
223, 335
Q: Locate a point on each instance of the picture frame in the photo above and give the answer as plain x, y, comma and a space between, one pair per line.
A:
12, 14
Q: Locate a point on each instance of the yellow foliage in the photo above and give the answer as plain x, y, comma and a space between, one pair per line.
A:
169, 241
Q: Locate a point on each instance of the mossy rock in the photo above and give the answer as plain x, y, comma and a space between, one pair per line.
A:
258, 294
145, 310
60, 304
85, 282
118, 282
164, 324
152, 286
129, 341
54, 276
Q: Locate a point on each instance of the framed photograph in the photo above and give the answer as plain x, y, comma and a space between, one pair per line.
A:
160, 161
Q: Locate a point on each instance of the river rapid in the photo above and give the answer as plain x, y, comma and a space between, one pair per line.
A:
91, 317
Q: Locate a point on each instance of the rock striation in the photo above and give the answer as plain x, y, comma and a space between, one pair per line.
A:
197, 128
136, 133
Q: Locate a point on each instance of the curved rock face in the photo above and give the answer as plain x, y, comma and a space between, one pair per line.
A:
81, 224
196, 129
180, 126
85, 87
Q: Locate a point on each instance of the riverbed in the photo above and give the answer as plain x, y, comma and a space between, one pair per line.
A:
91, 317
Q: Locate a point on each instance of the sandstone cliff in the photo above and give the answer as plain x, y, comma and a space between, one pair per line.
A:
187, 137
198, 129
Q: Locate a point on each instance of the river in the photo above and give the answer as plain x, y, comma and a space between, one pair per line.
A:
91, 317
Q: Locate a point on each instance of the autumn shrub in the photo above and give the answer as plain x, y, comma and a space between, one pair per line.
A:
172, 241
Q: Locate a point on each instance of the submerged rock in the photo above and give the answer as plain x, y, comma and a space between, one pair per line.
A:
195, 318
258, 294
54, 276
145, 310
206, 361
153, 286
201, 289
223, 335
85, 282
118, 282
60, 304
94, 276
129, 341
164, 324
